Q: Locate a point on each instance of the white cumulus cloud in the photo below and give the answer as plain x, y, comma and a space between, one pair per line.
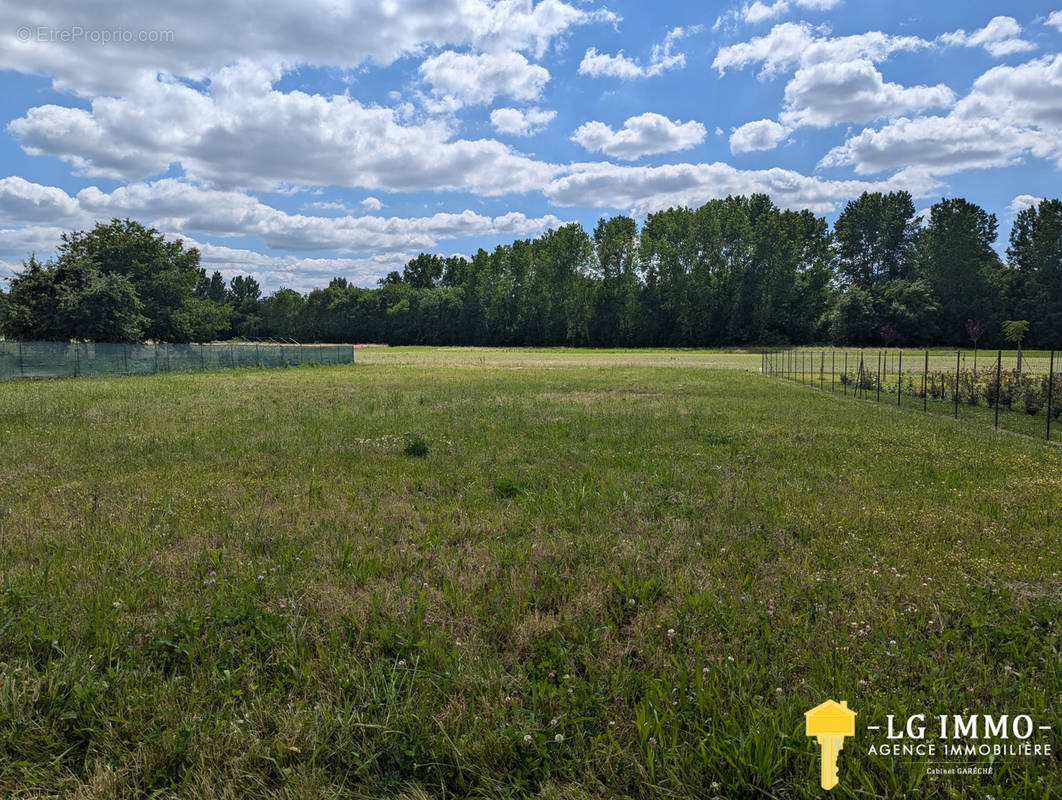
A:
176, 205
827, 93
241, 133
645, 134
514, 122
643, 190
1009, 114
790, 45
25, 202
763, 134
835, 80
194, 40
461, 79
1024, 201
662, 58
1000, 37
762, 12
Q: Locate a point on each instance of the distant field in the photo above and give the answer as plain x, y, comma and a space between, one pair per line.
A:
494, 573
537, 358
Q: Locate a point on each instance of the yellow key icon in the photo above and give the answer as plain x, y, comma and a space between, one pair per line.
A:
830, 722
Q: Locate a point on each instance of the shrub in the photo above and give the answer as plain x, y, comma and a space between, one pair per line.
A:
1006, 387
937, 385
968, 387
1033, 393
416, 446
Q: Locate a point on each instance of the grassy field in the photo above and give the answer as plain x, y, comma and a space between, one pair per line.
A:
473, 573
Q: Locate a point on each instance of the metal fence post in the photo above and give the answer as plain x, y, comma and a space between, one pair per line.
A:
878, 398
925, 384
999, 380
21, 367
77, 360
156, 358
956, 384
833, 370
844, 375
1050, 392
899, 377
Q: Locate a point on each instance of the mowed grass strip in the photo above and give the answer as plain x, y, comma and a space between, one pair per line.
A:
590, 581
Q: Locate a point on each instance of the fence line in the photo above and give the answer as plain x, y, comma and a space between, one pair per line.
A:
1022, 394
20, 360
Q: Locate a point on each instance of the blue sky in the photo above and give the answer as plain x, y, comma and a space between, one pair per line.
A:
326, 138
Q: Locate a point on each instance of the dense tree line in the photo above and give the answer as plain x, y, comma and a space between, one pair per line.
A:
738, 271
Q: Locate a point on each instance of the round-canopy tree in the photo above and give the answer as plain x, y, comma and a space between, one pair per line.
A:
119, 281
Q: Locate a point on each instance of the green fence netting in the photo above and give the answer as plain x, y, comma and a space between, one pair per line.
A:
70, 359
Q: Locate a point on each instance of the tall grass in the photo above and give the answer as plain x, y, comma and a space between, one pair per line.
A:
599, 580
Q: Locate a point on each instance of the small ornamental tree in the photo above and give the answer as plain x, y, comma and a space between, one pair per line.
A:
1014, 331
974, 330
889, 333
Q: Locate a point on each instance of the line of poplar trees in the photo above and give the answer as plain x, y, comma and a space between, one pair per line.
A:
736, 271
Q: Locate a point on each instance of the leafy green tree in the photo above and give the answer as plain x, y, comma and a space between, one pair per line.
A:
246, 294
665, 256
200, 321
212, 288
874, 236
457, 271
1035, 258
163, 273
957, 259
560, 259
1014, 331
854, 321
282, 314
912, 309
809, 303
424, 271
72, 299
615, 295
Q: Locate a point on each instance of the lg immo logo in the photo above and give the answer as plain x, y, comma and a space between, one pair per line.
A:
921, 737
830, 722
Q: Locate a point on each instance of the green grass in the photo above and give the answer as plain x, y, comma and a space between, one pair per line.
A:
615, 574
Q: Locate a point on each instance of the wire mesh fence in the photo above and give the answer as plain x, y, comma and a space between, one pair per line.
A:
1006, 389
72, 359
